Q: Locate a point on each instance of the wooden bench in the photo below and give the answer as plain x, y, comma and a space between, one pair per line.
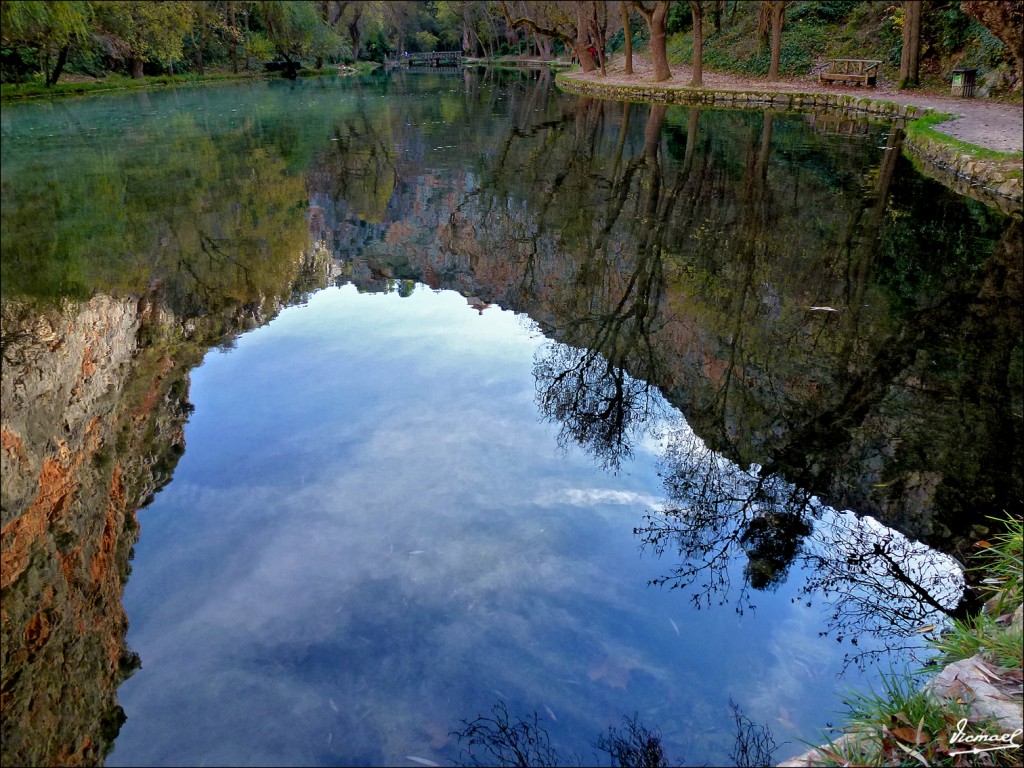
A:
863, 71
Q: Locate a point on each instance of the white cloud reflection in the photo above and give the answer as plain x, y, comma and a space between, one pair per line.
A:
371, 537
590, 497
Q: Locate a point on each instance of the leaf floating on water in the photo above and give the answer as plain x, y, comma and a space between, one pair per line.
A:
982, 544
422, 760
922, 630
822, 309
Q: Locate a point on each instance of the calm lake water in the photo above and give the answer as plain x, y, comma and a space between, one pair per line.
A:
581, 409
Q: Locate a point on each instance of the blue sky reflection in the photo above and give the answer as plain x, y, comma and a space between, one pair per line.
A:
372, 536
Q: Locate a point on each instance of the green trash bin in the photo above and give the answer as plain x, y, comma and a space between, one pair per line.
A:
963, 82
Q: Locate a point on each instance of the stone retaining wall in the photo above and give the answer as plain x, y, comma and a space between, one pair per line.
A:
984, 180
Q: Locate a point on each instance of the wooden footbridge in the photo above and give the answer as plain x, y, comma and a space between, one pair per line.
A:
429, 59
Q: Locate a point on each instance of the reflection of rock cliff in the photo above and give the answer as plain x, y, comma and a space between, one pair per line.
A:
71, 486
802, 315
94, 407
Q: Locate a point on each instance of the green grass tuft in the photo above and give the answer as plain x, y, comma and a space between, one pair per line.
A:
995, 641
924, 127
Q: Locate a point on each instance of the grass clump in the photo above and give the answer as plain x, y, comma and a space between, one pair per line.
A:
1002, 562
903, 725
995, 641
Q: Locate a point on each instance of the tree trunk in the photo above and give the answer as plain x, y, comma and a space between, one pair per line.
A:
62, 57
136, 63
353, 33
656, 19
234, 35
587, 62
627, 30
909, 69
764, 24
245, 35
778, 12
698, 43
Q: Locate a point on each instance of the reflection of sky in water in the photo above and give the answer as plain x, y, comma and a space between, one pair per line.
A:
372, 537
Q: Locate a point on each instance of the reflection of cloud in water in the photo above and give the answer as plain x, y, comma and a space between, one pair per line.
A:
588, 497
346, 583
797, 665
386, 600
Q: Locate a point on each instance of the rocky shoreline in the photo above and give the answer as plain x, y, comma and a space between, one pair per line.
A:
991, 699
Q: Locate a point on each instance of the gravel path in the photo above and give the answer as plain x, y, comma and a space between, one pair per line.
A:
990, 124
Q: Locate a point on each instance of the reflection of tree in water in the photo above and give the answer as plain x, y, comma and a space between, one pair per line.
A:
802, 427
663, 262
507, 740
718, 510
877, 582
595, 403
587, 389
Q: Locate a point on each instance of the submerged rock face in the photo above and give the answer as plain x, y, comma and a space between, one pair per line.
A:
71, 484
95, 400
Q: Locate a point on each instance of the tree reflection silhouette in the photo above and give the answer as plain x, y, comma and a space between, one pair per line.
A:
504, 740
683, 253
508, 740
586, 389
595, 403
876, 582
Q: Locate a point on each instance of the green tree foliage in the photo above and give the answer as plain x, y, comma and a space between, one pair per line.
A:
95, 36
140, 31
298, 31
46, 29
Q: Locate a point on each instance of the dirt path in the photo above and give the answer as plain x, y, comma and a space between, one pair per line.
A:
990, 124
